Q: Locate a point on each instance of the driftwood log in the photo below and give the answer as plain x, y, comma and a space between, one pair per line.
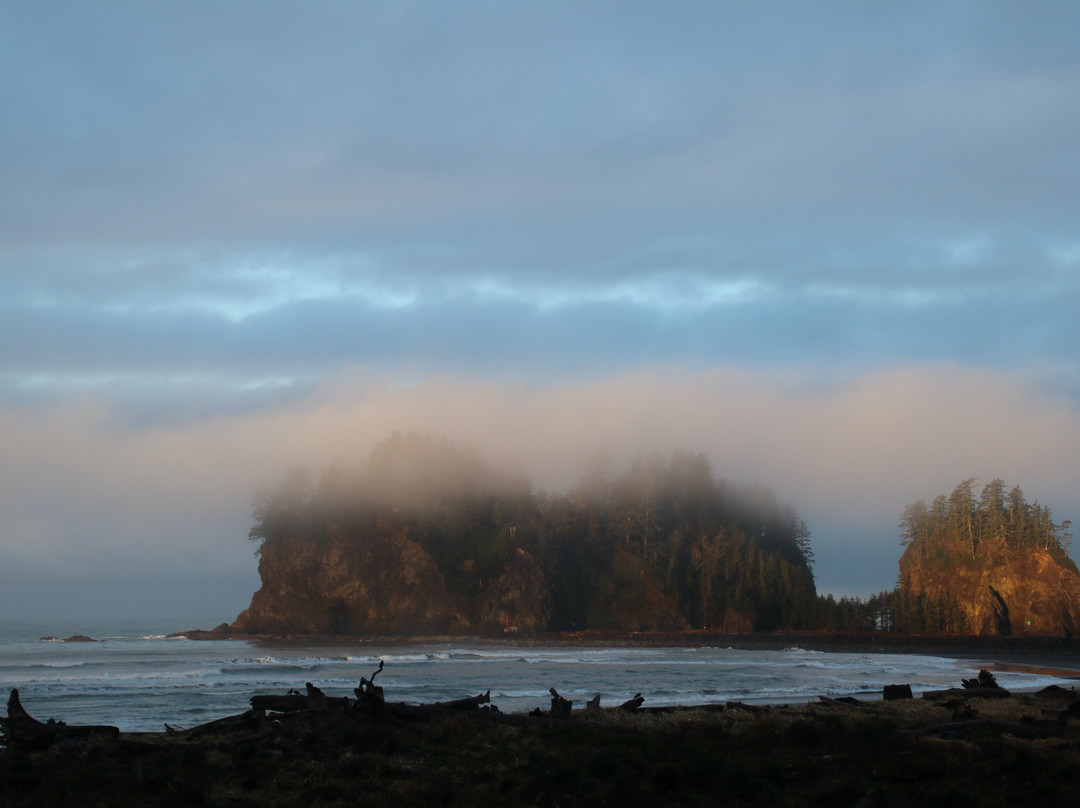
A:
271, 714
467, 704
560, 707
369, 695
627, 706
22, 729
313, 699
894, 692
253, 720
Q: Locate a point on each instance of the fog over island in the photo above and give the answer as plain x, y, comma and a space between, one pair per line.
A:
832, 247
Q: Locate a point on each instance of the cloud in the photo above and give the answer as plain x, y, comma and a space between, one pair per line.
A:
343, 124
186, 322
84, 493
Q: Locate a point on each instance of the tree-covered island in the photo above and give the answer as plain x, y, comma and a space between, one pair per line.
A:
426, 537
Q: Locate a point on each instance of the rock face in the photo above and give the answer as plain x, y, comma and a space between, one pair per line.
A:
519, 600
1029, 593
384, 584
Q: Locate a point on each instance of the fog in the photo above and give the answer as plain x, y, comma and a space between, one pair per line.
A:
88, 496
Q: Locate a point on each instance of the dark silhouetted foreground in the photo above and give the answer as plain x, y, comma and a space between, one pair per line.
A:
973, 745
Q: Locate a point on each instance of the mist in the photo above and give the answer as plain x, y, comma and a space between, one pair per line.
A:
89, 496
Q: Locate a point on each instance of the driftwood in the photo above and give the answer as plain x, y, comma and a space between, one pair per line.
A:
22, 729
253, 720
401, 713
271, 714
752, 708
467, 704
629, 705
693, 708
560, 707
313, 699
280, 704
894, 692
370, 695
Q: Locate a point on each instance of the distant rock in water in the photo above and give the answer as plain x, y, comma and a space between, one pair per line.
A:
427, 539
1032, 594
79, 638
992, 566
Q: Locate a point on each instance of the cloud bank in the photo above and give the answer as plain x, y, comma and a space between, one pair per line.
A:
94, 495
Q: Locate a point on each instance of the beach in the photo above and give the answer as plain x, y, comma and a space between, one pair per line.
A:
955, 749
780, 719
140, 676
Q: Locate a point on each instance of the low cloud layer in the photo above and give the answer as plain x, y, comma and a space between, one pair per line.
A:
90, 495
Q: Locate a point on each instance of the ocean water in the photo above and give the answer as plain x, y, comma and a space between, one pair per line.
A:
138, 678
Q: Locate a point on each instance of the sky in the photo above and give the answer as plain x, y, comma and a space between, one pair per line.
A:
833, 246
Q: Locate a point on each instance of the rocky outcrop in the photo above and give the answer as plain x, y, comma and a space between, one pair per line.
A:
1026, 593
385, 584
519, 600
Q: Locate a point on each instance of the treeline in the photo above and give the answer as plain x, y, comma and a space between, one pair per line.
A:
663, 536
994, 525
897, 610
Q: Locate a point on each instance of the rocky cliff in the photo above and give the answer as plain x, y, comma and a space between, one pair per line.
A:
388, 584
1030, 592
383, 584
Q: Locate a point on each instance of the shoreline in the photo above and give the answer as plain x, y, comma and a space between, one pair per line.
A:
1019, 649
964, 747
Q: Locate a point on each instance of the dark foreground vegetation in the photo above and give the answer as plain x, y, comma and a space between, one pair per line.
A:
971, 746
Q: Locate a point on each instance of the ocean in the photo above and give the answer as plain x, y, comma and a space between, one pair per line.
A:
138, 678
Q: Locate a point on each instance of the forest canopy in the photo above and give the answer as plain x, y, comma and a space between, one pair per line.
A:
997, 523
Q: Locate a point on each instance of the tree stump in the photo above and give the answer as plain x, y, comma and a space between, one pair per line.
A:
560, 707
893, 692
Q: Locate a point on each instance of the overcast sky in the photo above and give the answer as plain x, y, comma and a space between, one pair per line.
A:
835, 246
